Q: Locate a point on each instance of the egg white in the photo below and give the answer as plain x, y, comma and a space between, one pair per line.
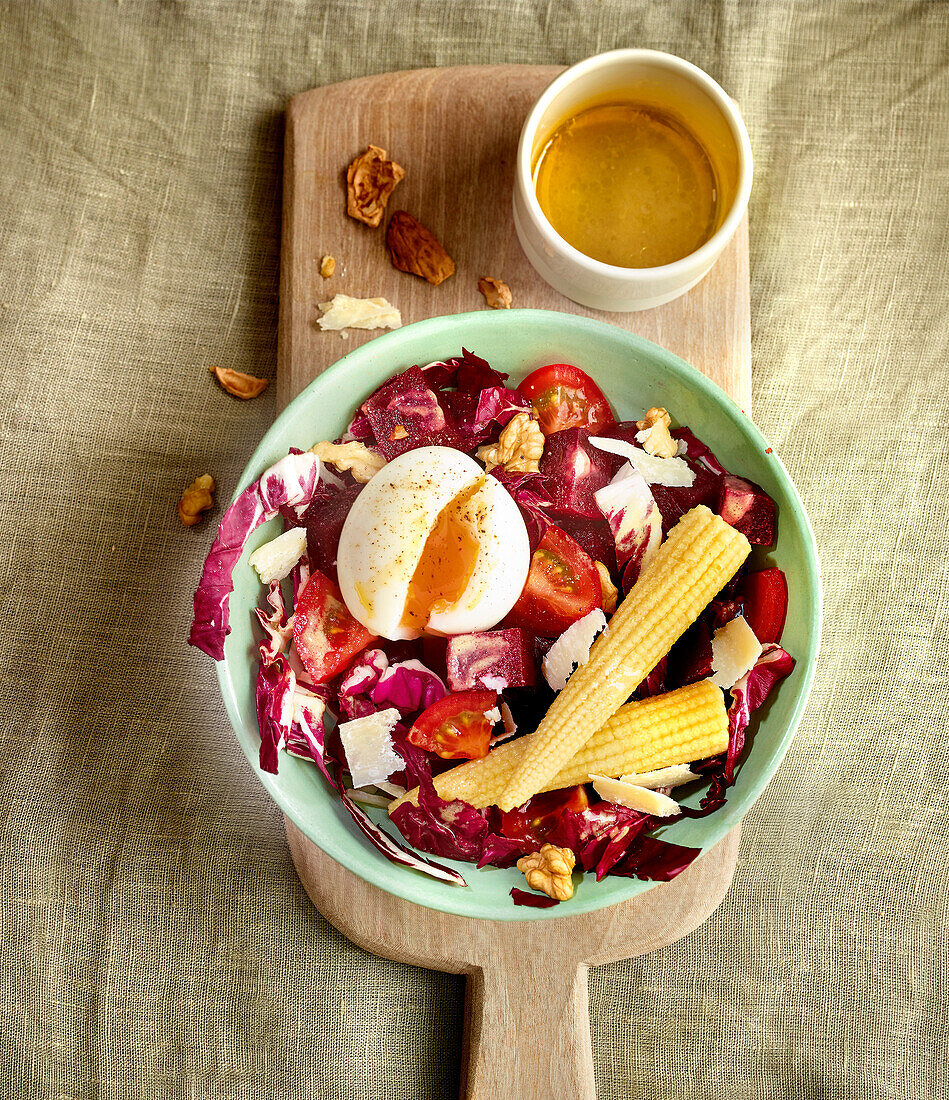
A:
385, 532
504, 558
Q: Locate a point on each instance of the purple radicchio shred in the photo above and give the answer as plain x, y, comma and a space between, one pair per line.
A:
275, 683
535, 901
452, 830
748, 694
529, 493
291, 481
502, 851
654, 860
468, 373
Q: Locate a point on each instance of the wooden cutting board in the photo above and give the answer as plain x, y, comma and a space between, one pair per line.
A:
455, 133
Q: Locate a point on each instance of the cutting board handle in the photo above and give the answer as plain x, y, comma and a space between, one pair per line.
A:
527, 1030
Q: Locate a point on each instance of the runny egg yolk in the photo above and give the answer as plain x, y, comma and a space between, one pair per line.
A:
447, 562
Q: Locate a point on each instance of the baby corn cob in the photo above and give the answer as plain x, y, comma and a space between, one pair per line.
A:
687, 724
700, 555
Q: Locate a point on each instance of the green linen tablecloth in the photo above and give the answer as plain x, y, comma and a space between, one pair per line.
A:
155, 940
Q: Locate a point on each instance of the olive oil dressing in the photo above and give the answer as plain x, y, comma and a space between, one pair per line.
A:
628, 184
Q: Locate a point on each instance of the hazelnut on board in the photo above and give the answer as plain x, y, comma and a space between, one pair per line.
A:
414, 249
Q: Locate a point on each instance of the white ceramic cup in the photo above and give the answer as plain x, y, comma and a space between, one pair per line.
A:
660, 80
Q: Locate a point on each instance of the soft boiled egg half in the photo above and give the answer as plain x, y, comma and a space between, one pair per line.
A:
432, 544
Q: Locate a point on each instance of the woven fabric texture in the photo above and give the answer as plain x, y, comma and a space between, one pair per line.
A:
155, 940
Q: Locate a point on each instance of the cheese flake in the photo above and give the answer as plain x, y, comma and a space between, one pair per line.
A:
673, 776
367, 742
572, 649
735, 649
674, 472
342, 311
274, 560
633, 797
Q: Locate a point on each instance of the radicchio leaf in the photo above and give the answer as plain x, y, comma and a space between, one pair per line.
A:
409, 686
535, 901
634, 518
748, 694
453, 830
529, 493
275, 685
291, 482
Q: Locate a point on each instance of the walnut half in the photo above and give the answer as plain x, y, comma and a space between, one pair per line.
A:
496, 294
550, 870
370, 180
519, 447
654, 434
197, 498
353, 456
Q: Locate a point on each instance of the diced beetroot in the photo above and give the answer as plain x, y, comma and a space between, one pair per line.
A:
749, 509
434, 654
698, 452
722, 610
324, 522
405, 413
594, 536
691, 657
765, 596
675, 500
574, 471
625, 430
492, 659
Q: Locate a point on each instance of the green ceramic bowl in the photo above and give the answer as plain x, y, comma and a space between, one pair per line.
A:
634, 374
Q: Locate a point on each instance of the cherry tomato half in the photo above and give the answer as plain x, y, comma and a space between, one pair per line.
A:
456, 726
562, 586
536, 819
326, 636
564, 397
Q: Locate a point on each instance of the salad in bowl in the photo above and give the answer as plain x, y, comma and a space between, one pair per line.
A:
509, 622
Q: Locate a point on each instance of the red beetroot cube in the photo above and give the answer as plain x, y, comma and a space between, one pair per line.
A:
574, 471
749, 509
404, 413
492, 659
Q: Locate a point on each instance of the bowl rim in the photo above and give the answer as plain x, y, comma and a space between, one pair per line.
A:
633, 277
399, 880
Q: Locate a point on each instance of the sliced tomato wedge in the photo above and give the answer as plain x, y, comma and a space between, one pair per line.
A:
562, 586
564, 397
765, 596
456, 727
536, 819
326, 636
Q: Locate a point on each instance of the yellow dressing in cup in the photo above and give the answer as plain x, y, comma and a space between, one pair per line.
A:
629, 184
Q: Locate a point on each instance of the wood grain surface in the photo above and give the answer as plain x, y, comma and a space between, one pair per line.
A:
455, 132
